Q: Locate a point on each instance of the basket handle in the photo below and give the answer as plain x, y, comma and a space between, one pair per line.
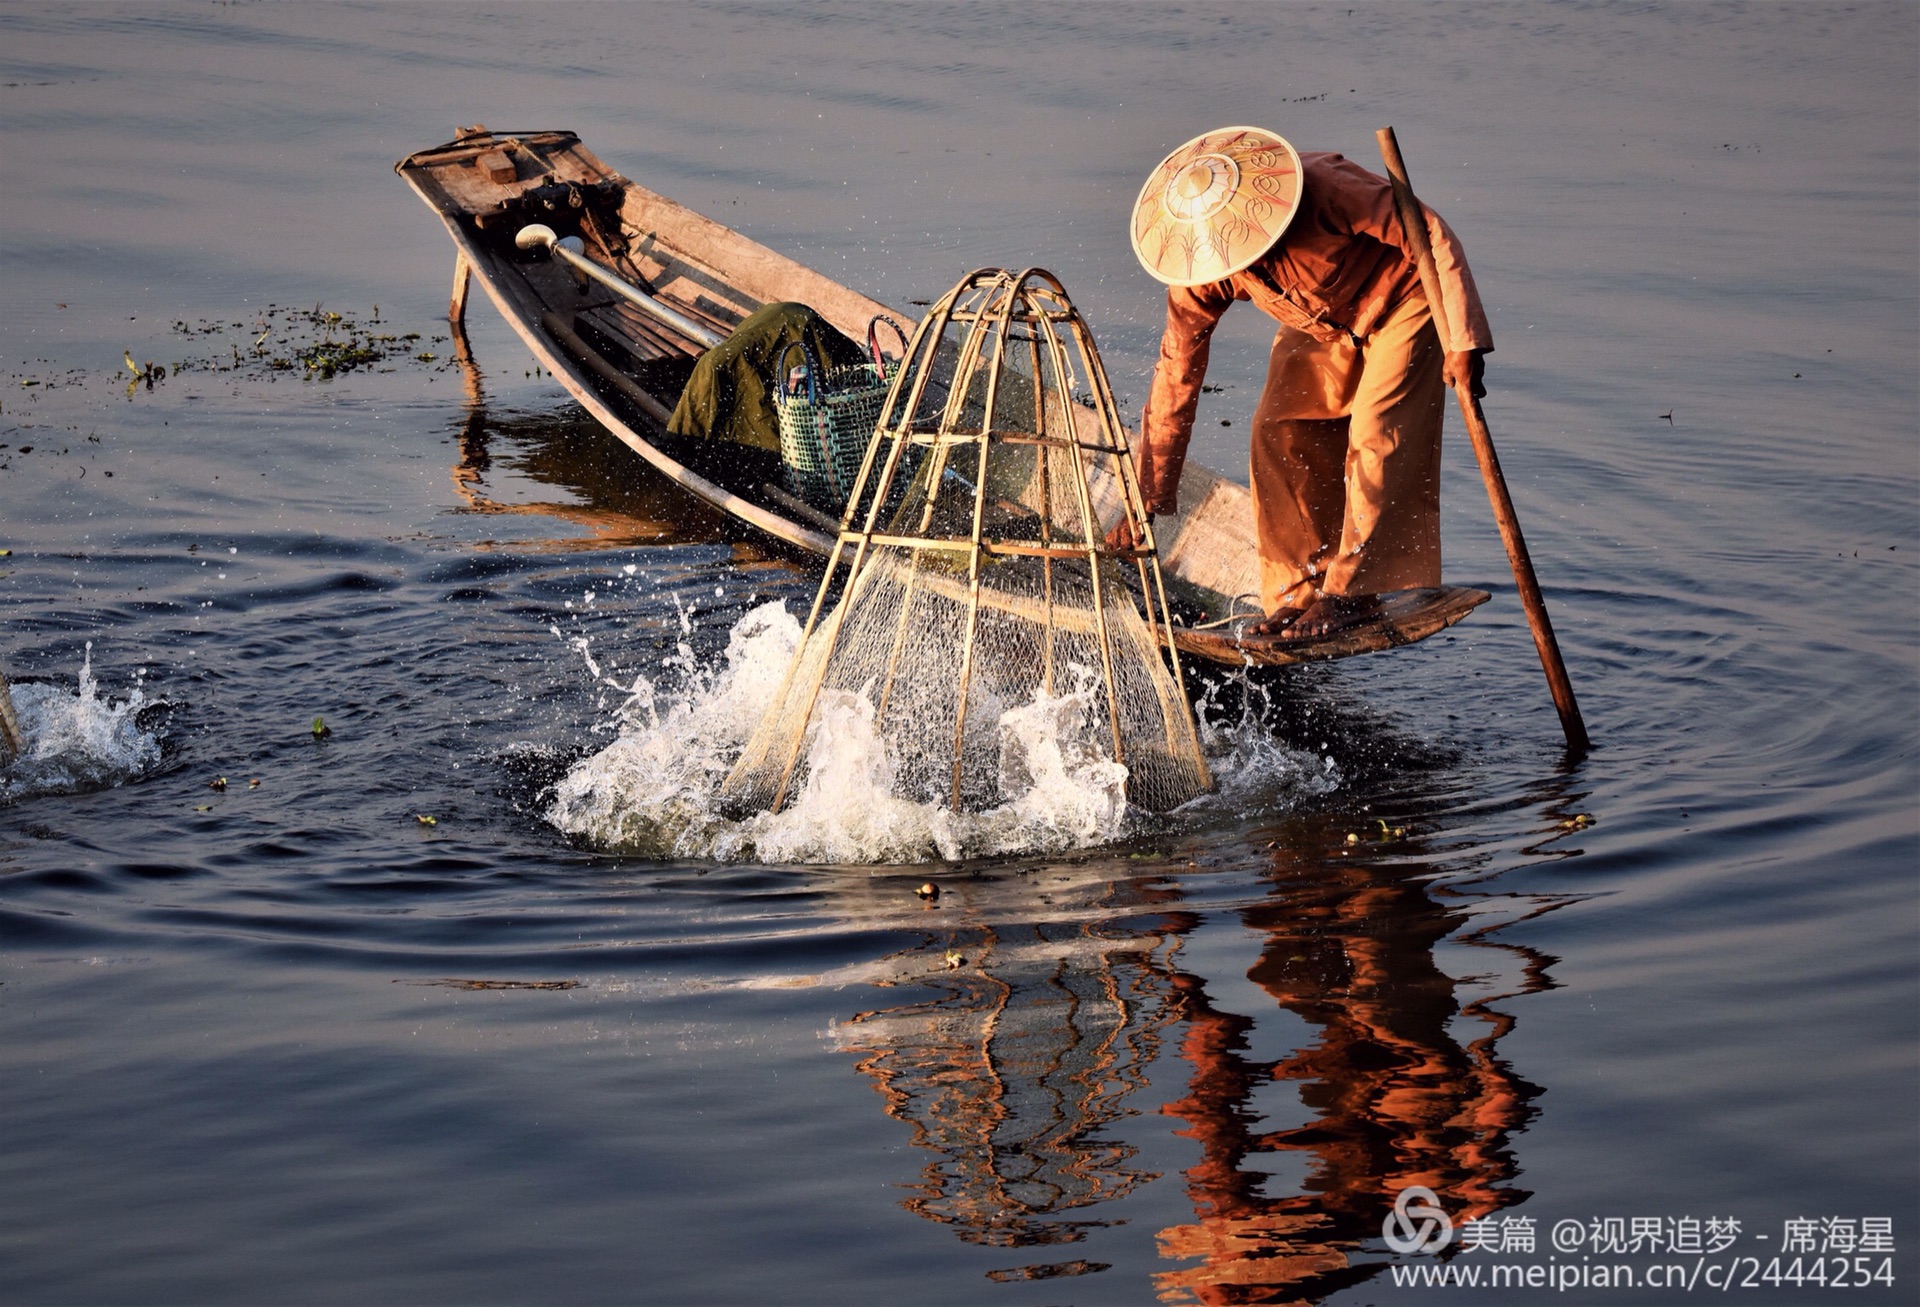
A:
873, 341
809, 366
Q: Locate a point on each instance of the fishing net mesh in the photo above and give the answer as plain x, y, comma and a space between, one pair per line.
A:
898, 641
983, 587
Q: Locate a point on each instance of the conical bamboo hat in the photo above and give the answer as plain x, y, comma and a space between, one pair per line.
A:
1216, 204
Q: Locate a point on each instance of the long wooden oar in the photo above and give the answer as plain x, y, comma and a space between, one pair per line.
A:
1413, 218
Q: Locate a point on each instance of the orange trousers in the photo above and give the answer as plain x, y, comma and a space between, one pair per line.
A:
1345, 462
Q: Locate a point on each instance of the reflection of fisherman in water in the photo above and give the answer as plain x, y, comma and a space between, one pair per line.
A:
1016, 1074
1396, 1099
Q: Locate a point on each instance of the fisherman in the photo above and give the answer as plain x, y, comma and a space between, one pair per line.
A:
1345, 459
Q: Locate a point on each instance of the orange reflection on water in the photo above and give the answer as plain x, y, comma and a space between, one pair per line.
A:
1397, 1098
1015, 1076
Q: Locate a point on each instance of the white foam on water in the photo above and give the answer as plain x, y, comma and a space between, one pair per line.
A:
655, 790
74, 741
1255, 775
846, 810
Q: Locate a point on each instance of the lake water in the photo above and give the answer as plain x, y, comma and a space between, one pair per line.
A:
291, 1042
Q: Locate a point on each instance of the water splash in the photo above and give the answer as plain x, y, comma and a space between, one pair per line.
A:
76, 741
655, 790
1254, 773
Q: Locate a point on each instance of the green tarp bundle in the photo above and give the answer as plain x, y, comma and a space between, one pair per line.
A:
730, 395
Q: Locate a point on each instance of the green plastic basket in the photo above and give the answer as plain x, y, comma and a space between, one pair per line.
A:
826, 422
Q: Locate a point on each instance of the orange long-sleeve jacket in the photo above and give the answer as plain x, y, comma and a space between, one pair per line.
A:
1340, 268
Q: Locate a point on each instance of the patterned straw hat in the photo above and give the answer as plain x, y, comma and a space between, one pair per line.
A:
1215, 205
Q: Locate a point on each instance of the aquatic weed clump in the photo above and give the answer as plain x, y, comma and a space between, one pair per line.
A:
316, 344
319, 343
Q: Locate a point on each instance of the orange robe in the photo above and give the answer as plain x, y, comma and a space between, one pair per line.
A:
1345, 446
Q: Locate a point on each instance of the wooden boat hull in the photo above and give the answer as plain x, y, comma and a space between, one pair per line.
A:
627, 369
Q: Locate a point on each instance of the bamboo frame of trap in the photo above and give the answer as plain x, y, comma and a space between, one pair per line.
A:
990, 303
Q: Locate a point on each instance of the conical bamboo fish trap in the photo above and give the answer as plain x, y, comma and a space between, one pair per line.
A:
980, 581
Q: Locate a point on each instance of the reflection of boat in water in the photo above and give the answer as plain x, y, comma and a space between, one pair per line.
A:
1019, 1073
506, 454
627, 363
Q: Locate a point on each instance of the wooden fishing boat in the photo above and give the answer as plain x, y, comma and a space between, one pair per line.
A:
625, 358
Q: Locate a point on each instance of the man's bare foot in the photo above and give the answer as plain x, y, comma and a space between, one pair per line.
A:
1278, 622
1332, 614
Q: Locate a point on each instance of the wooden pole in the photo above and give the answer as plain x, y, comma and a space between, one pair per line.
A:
1413, 218
462, 283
